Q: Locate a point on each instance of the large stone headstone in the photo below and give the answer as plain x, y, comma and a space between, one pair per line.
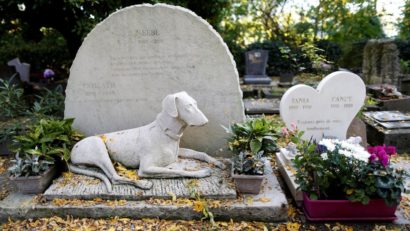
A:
326, 111
381, 62
129, 62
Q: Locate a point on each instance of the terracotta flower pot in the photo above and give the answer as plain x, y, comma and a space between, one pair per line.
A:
34, 184
323, 210
248, 183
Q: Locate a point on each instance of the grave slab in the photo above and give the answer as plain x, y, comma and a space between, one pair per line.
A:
390, 128
218, 185
270, 205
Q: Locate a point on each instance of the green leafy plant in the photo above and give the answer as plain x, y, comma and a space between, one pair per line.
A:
51, 103
11, 99
292, 63
29, 165
248, 164
333, 169
49, 138
254, 135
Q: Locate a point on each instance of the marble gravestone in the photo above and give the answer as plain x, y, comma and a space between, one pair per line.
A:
130, 61
326, 111
323, 112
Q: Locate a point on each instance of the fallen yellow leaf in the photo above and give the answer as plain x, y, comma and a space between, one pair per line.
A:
293, 226
264, 199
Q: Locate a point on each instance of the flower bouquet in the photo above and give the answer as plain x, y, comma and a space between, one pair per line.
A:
332, 171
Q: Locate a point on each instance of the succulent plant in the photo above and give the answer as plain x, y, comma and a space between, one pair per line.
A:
29, 165
249, 164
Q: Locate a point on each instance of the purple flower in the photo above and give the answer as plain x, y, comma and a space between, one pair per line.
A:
48, 73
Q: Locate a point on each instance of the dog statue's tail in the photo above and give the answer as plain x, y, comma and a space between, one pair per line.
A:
89, 172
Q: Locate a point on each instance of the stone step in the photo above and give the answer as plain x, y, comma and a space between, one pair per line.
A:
270, 205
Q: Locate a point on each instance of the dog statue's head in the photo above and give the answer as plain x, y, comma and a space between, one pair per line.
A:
183, 106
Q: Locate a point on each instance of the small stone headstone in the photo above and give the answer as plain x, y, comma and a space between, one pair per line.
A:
326, 111
130, 61
22, 68
255, 67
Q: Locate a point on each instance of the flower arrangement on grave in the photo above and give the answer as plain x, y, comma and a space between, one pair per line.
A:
334, 169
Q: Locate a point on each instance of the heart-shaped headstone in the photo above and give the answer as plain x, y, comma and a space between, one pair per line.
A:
326, 111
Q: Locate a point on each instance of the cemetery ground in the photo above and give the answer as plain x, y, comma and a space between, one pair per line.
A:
296, 219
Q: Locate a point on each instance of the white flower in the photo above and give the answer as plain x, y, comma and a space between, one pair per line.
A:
345, 153
328, 143
324, 156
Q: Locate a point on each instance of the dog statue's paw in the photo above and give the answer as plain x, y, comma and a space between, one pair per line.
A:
203, 173
144, 184
220, 165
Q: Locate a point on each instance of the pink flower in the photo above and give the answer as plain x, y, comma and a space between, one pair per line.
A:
373, 158
391, 150
285, 131
384, 160
293, 126
371, 149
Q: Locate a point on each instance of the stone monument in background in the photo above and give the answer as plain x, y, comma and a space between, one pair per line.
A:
255, 68
130, 61
381, 62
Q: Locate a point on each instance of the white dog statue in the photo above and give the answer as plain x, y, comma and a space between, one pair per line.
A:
151, 147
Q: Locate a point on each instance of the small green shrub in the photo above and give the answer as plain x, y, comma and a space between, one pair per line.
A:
50, 138
51, 103
11, 99
254, 135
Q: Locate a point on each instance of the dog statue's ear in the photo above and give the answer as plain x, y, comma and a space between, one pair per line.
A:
169, 105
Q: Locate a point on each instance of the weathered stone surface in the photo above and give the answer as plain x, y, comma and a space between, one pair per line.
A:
261, 106
381, 62
129, 62
270, 205
325, 111
358, 128
218, 185
389, 133
288, 175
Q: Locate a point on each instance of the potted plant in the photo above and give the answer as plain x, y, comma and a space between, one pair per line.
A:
248, 172
252, 141
31, 174
46, 144
342, 181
